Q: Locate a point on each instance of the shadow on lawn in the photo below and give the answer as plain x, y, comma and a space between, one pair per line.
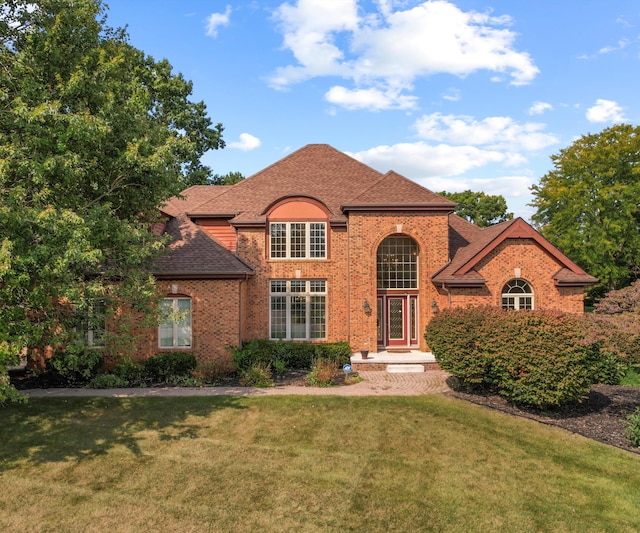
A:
61, 429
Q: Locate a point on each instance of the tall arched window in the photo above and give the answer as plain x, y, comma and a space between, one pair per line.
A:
517, 294
397, 263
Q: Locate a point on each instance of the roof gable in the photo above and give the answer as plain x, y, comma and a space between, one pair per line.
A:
193, 254
317, 170
394, 191
191, 198
461, 269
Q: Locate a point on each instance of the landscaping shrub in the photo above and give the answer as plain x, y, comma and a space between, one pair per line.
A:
633, 427
130, 371
258, 375
322, 373
456, 337
166, 367
535, 357
108, 381
77, 364
616, 323
541, 358
213, 371
293, 355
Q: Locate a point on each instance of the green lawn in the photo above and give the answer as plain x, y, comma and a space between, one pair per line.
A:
303, 464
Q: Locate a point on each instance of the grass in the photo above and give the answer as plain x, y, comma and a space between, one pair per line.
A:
287, 463
632, 377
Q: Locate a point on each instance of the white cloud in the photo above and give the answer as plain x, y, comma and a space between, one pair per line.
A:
421, 160
215, 20
507, 186
246, 142
497, 133
538, 108
373, 99
605, 111
452, 95
386, 50
622, 43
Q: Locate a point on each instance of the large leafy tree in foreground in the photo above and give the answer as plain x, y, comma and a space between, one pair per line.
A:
480, 208
589, 206
94, 137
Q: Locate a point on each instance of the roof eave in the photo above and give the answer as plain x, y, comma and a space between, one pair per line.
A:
398, 207
461, 283
201, 275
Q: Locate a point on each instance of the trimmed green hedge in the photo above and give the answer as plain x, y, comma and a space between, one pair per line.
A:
291, 355
535, 358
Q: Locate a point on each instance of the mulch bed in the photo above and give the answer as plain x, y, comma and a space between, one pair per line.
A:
600, 417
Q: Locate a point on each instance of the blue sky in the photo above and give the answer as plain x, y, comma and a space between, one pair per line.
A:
455, 95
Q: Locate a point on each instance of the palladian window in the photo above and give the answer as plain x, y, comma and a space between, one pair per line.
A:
517, 294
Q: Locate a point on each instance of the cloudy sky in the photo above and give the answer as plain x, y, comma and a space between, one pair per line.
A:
455, 95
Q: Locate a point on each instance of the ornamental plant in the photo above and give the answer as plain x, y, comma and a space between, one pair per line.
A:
537, 358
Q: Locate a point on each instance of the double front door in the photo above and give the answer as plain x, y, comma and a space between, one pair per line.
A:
397, 319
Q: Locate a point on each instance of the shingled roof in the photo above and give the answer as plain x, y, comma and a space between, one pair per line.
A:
192, 254
318, 171
470, 244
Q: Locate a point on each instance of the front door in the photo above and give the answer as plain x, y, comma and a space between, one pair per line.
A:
397, 320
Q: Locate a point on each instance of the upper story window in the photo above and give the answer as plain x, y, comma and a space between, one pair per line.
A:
397, 263
517, 294
298, 240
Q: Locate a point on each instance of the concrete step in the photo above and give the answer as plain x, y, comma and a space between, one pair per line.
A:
400, 369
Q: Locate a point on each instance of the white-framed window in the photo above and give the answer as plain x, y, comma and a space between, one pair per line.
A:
298, 309
397, 263
174, 330
517, 294
92, 325
298, 240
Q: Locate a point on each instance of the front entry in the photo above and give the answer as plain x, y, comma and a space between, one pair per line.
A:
397, 320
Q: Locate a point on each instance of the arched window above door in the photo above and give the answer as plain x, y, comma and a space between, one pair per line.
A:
517, 294
397, 263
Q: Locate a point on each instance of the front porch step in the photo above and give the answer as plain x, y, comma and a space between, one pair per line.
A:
401, 369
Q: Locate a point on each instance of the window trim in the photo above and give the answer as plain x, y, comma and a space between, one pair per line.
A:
176, 324
93, 325
309, 242
288, 294
393, 268
524, 291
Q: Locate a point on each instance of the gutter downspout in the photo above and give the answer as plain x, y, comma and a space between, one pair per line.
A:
240, 302
445, 289
348, 282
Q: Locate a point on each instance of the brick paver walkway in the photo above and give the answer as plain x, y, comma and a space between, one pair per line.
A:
374, 384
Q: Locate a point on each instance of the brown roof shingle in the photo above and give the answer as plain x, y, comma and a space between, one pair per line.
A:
193, 254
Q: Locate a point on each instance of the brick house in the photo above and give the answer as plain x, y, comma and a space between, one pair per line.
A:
320, 247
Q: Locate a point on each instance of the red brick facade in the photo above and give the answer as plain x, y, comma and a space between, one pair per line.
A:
458, 264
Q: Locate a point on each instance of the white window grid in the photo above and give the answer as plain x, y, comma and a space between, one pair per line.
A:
298, 309
517, 294
298, 240
397, 263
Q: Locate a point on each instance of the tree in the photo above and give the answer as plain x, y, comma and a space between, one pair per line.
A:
588, 204
230, 178
94, 136
480, 208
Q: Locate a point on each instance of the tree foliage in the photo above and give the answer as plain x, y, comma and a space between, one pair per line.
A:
588, 204
230, 178
480, 208
94, 136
